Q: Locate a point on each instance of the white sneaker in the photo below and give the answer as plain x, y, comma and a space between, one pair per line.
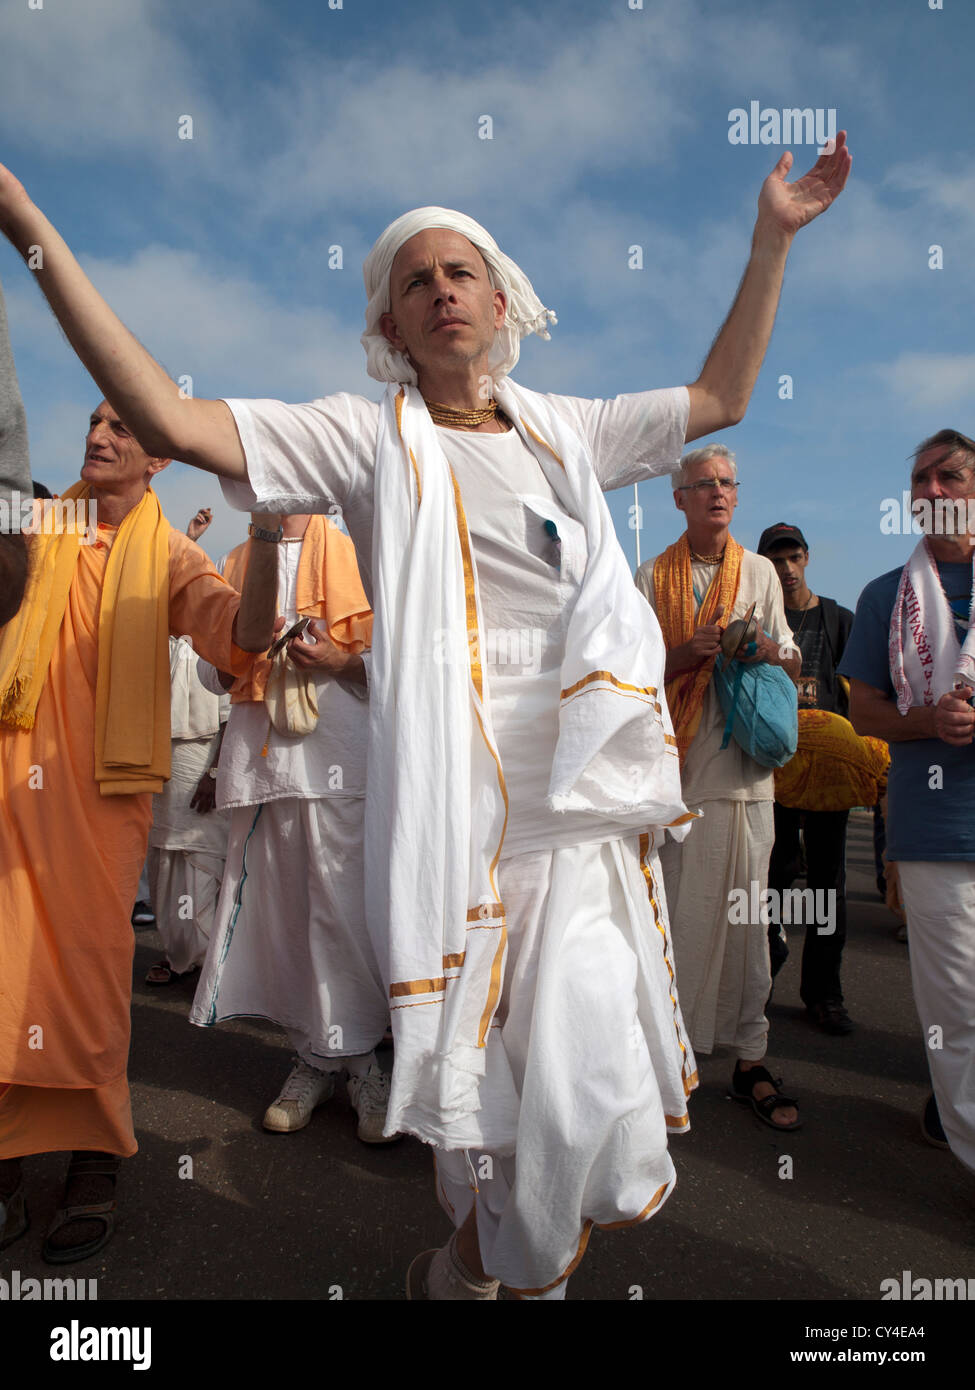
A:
369, 1095
304, 1089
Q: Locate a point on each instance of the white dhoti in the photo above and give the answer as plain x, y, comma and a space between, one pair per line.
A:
290, 943
592, 1031
939, 901
184, 864
722, 967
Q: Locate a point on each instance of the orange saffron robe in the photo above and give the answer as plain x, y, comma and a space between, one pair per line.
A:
70, 861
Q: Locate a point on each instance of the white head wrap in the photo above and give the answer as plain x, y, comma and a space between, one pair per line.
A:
525, 312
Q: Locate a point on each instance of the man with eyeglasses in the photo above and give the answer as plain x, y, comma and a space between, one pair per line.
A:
697, 586
911, 664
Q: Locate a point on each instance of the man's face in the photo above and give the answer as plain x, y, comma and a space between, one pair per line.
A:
114, 461
943, 473
709, 506
443, 312
790, 563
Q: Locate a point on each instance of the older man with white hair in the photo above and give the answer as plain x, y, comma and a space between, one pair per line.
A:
514, 809
723, 963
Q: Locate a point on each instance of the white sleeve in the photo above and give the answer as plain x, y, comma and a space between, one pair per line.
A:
210, 681
304, 458
631, 437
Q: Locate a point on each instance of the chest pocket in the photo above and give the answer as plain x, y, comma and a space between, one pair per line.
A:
555, 537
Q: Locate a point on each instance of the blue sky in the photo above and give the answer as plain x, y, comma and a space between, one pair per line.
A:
314, 127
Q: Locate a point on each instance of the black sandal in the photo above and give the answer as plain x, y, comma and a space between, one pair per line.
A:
743, 1085
103, 1212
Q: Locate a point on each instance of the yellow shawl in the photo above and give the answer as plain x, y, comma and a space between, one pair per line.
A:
132, 689
328, 588
673, 589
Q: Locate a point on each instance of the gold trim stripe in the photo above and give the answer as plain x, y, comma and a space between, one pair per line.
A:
473, 627
417, 987
611, 679
470, 597
654, 1202
436, 986
485, 912
539, 440
399, 425
645, 846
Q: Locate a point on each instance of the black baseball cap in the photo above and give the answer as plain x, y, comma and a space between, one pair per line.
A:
779, 534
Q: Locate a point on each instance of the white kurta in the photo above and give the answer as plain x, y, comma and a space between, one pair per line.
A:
187, 849
290, 943
589, 1023
722, 967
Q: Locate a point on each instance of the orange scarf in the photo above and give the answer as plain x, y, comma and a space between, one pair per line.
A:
328, 588
673, 589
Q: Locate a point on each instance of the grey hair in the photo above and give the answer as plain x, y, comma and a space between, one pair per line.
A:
680, 474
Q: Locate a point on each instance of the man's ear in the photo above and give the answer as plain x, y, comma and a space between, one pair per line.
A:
154, 466
387, 326
500, 308
678, 500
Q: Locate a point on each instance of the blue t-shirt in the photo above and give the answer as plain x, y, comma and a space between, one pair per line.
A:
925, 820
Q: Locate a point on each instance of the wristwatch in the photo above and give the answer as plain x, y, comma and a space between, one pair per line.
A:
259, 533
212, 772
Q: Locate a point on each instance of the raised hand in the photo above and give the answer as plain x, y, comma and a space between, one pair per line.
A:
199, 523
790, 206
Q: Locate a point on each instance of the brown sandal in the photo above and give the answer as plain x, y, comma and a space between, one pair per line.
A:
101, 1166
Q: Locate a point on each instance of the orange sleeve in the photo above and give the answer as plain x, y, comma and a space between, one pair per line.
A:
203, 606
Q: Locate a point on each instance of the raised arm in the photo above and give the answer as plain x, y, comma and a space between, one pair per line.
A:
166, 423
721, 393
14, 477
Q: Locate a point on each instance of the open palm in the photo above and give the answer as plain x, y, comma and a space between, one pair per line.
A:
792, 205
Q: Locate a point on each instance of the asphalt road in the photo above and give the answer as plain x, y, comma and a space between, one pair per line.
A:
318, 1215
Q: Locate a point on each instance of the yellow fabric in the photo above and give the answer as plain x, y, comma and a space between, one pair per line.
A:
673, 587
132, 741
328, 588
834, 768
27, 641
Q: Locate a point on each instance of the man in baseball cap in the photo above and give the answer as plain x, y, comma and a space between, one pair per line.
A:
820, 628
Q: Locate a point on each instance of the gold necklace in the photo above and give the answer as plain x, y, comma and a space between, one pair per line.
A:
463, 419
707, 559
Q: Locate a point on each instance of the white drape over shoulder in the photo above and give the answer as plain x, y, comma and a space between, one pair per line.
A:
436, 799
925, 654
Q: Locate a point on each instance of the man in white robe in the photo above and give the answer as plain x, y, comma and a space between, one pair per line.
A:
290, 941
542, 1019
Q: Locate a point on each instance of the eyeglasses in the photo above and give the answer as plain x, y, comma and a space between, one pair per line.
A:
709, 485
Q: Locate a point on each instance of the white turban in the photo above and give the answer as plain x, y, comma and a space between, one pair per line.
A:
525, 312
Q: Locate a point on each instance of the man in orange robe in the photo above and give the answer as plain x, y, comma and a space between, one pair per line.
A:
84, 742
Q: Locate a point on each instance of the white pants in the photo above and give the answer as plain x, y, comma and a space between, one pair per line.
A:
939, 901
592, 1032
290, 943
185, 887
722, 967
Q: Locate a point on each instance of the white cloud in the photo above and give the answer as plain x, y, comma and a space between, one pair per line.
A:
929, 380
